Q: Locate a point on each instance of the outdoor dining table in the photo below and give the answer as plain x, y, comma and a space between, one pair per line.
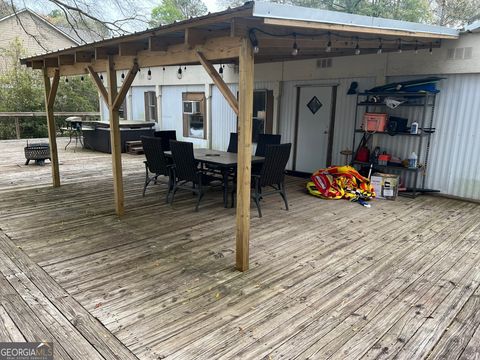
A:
225, 161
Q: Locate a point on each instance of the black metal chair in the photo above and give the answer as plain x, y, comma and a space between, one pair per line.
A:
271, 175
156, 162
233, 143
264, 140
166, 136
185, 170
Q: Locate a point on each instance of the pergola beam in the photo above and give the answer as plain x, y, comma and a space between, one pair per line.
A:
245, 86
126, 85
218, 48
98, 82
50, 94
217, 79
305, 24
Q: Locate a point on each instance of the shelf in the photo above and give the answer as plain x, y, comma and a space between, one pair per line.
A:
400, 168
401, 105
401, 134
398, 94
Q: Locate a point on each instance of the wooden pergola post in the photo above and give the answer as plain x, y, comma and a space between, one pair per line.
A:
245, 109
115, 143
50, 94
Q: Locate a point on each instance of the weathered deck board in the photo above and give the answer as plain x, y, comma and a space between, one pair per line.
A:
328, 279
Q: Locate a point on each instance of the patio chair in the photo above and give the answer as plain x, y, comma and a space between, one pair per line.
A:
271, 175
233, 143
166, 136
155, 163
264, 140
185, 171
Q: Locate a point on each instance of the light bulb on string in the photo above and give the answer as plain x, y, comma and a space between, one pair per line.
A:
179, 72
295, 46
82, 78
101, 77
66, 79
220, 70
123, 76
357, 48
329, 44
380, 47
149, 74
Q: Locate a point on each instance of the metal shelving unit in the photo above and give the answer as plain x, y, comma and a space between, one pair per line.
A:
426, 103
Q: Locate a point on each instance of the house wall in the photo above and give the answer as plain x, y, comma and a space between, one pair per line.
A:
50, 38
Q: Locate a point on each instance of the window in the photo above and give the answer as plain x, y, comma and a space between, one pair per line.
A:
150, 106
193, 109
122, 110
262, 113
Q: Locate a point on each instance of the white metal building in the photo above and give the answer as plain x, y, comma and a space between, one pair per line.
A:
454, 164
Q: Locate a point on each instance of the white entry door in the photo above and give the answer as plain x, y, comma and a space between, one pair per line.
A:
314, 118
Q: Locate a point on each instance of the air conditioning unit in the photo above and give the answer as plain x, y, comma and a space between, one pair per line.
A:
191, 107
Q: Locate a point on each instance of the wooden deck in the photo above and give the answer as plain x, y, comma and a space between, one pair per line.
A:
328, 279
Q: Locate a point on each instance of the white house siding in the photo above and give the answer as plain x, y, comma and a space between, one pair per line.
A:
454, 158
344, 112
137, 112
224, 120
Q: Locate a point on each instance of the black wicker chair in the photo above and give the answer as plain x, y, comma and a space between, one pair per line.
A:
166, 136
264, 140
156, 162
233, 143
185, 171
271, 175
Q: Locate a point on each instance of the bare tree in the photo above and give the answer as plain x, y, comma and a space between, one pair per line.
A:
91, 19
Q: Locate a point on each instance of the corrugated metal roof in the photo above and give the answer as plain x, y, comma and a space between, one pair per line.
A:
473, 27
281, 11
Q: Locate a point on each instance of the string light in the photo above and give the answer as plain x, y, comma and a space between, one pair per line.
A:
329, 43
81, 78
101, 77
295, 46
357, 48
149, 74
380, 46
66, 79
220, 71
179, 72
123, 76
254, 41
329, 36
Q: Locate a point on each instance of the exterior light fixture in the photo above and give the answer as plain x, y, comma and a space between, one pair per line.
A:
149, 74
328, 48
179, 72
295, 46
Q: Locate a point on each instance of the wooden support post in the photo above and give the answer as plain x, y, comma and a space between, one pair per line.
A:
50, 93
115, 143
17, 128
245, 108
217, 79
